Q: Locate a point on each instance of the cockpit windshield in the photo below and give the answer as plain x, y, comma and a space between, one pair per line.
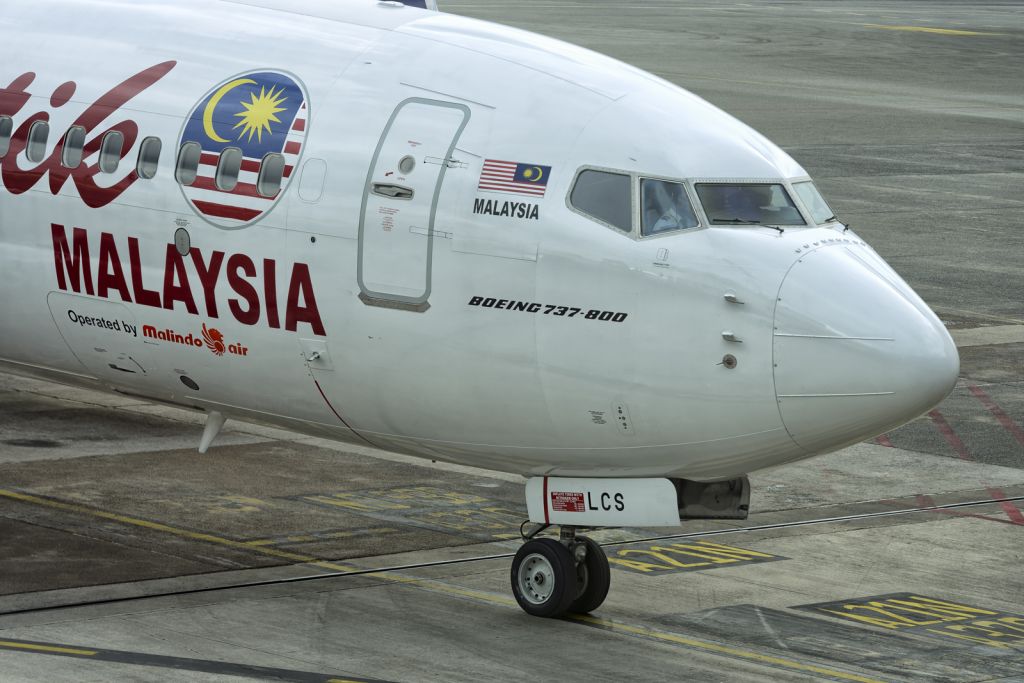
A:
748, 204
666, 208
815, 203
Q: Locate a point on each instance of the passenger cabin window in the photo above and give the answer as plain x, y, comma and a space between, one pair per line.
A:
110, 151
74, 143
38, 134
666, 208
149, 158
607, 197
271, 172
228, 167
748, 204
6, 128
188, 163
815, 203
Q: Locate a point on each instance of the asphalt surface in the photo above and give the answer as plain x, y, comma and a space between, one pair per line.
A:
910, 116
915, 138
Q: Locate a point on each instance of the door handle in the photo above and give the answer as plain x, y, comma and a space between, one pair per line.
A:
450, 163
392, 191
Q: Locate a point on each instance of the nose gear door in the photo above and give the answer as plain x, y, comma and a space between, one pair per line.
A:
396, 226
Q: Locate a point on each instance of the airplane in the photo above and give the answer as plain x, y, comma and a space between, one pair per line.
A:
442, 237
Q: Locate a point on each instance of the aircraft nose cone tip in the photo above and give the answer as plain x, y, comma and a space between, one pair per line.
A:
856, 350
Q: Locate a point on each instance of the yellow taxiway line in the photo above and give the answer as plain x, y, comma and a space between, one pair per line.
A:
730, 651
436, 586
48, 648
930, 29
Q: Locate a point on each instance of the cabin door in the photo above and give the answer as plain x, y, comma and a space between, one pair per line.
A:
396, 226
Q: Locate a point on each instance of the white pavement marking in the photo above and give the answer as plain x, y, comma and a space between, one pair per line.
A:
236, 433
983, 336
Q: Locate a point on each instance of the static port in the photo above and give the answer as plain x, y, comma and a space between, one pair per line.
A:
729, 361
182, 241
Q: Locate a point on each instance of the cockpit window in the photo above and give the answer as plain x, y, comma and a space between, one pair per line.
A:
665, 207
812, 199
748, 204
608, 197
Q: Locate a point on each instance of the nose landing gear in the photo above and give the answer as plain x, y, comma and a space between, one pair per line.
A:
550, 578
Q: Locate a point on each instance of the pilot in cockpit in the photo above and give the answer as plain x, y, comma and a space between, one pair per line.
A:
666, 207
741, 203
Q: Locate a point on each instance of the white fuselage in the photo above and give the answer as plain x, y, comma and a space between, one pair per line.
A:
443, 326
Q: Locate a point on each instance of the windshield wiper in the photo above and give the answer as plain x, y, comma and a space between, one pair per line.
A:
744, 221
832, 218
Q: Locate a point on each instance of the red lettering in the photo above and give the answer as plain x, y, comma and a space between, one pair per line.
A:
242, 287
75, 266
110, 275
18, 180
143, 296
301, 287
84, 176
270, 290
73, 269
14, 96
63, 94
208, 276
176, 287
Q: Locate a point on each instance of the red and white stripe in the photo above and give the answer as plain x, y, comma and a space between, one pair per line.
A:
244, 203
499, 176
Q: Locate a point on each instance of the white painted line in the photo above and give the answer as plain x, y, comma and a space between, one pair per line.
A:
983, 336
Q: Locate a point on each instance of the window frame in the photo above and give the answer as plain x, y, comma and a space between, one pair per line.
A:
6, 123
805, 209
635, 179
30, 144
631, 233
786, 183
229, 155
77, 150
261, 179
691, 194
103, 154
187, 144
143, 144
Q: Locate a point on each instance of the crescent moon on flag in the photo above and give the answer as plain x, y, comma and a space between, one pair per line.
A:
211, 132
540, 174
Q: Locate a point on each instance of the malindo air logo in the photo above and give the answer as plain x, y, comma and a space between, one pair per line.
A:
250, 123
214, 340
210, 338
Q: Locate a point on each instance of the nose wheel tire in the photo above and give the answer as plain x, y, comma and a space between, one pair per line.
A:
544, 579
593, 577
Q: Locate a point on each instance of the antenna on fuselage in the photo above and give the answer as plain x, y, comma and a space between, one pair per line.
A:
214, 423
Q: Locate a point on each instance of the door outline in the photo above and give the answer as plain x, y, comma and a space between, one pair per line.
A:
399, 301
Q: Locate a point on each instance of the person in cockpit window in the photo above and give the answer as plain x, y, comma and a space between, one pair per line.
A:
748, 202
666, 207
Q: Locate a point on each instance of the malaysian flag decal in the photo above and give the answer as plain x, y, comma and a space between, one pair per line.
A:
258, 113
514, 177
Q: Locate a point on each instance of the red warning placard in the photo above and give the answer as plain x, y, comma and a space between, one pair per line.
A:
567, 501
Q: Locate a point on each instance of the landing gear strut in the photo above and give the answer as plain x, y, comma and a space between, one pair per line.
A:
550, 578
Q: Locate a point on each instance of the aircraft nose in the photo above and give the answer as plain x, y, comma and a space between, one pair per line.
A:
856, 351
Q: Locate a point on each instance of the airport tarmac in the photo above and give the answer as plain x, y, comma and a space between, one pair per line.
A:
126, 555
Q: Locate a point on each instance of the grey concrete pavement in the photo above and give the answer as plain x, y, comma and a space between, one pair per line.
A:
910, 116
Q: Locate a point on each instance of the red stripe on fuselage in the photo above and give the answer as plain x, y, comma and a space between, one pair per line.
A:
222, 211
241, 190
249, 165
547, 517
